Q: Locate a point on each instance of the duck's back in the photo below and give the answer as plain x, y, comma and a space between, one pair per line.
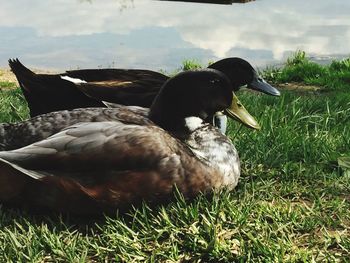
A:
17, 135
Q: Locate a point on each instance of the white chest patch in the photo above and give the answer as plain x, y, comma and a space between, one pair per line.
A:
193, 123
74, 80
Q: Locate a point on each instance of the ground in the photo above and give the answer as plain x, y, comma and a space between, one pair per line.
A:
291, 205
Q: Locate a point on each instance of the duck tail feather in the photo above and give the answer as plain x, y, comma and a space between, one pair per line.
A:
28, 82
33, 86
21, 72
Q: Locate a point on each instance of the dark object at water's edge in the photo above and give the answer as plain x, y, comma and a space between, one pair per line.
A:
225, 2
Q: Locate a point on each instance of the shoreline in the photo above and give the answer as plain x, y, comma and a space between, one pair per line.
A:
6, 75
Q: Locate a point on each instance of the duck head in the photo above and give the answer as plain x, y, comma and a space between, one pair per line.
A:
198, 94
241, 73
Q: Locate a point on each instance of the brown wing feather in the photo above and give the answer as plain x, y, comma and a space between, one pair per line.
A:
127, 87
132, 92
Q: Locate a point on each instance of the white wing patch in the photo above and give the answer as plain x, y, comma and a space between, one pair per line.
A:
74, 80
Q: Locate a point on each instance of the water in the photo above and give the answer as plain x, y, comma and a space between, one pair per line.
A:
69, 34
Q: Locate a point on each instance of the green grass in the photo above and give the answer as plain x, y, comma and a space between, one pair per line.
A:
7, 84
299, 68
191, 64
13, 106
292, 203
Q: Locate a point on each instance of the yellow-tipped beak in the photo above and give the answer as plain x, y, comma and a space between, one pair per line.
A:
237, 112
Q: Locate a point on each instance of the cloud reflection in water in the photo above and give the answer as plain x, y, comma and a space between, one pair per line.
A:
157, 34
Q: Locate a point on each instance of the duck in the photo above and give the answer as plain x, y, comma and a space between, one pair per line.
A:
103, 87
94, 167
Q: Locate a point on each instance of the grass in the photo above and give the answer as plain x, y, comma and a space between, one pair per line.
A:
13, 106
335, 76
291, 205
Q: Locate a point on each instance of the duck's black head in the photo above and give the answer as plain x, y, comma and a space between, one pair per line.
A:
193, 94
241, 73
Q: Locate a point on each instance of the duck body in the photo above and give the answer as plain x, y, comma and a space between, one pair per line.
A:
104, 166
99, 166
92, 87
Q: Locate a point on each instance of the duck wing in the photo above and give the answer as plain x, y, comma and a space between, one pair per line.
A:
124, 86
94, 167
73, 146
136, 92
91, 75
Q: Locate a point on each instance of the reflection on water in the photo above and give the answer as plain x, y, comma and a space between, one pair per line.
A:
123, 4
160, 34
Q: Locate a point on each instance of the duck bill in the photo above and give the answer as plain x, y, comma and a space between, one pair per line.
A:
259, 84
237, 112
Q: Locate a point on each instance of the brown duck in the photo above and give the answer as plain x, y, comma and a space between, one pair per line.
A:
101, 166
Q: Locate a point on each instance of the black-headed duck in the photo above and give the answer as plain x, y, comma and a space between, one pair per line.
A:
94, 167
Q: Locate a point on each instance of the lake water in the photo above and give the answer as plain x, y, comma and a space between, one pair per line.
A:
68, 34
